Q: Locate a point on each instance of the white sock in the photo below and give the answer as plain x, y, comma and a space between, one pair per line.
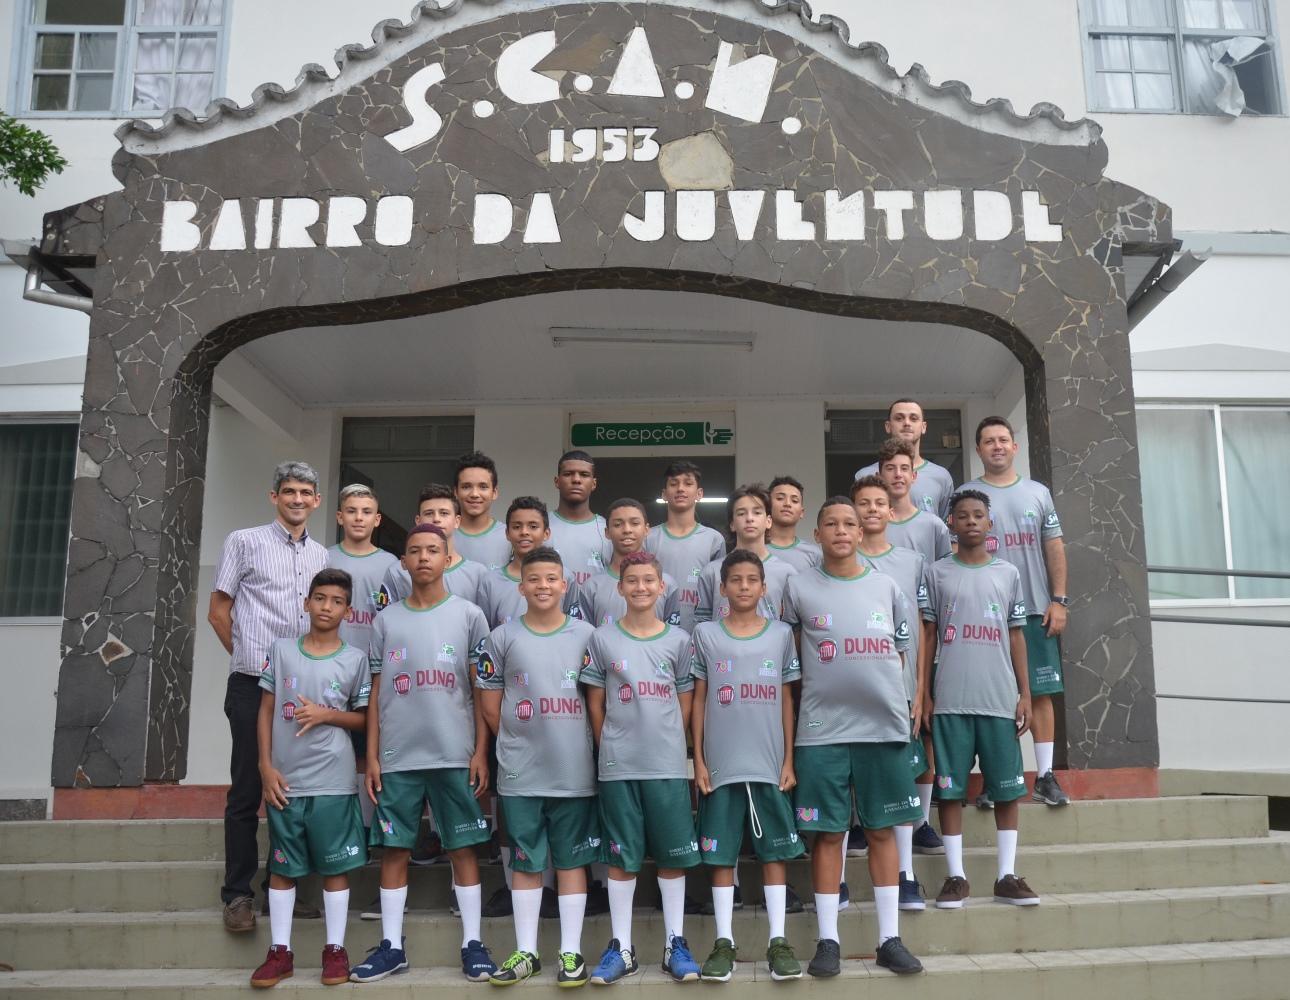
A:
392, 903
886, 900
925, 797
723, 910
527, 907
953, 854
673, 893
621, 897
776, 903
573, 907
1007, 840
826, 915
281, 904
470, 900
548, 878
506, 867
336, 912
905, 848
1043, 758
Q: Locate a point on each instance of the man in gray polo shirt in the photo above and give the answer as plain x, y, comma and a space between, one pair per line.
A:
259, 595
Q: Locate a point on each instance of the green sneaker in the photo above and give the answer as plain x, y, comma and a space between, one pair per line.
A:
720, 965
519, 967
783, 963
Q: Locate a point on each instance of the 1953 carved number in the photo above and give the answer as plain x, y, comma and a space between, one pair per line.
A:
612, 145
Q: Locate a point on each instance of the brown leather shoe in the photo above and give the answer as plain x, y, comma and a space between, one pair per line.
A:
239, 915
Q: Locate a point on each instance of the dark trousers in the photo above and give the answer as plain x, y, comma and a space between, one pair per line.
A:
241, 809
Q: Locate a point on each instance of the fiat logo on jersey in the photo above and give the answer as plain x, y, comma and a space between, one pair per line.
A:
624, 693
288, 710
827, 649
524, 710
991, 544
402, 683
951, 632
725, 694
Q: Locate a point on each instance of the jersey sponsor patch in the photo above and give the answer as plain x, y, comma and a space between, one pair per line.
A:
485, 668
1019, 610
877, 620
402, 683
807, 815
674, 618
625, 693
723, 666
820, 621
950, 634
397, 655
768, 669
991, 544
725, 694
1051, 520
288, 710
902, 631
826, 649
524, 710
570, 679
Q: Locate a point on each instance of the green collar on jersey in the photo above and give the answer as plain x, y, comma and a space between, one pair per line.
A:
642, 638
745, 638
983, 481
419, 611
479, 534
784, 548
300, 645
864, 571
543, 635
908, 519
569, 520
881, 555
355, 555
678, 538
989, 562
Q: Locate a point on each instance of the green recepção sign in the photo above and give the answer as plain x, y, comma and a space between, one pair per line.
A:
689, 433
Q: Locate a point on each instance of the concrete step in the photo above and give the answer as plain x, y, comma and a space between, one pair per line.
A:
1087, 920
1105, 821
190, 885
1254, 970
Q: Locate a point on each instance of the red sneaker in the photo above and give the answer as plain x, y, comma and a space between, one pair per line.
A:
335, 966
278, 965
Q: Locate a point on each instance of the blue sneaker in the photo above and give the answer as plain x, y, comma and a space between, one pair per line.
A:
928, 841
476, 963
678, 962
615, 963
383, 960
911, 894
844, 896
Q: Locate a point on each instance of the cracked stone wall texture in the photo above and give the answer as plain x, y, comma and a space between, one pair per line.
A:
162, 321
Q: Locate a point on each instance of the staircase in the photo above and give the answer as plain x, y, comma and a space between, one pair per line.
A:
1172, 897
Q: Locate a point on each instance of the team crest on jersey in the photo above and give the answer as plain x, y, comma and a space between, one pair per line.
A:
663, 669
524, 710
927, 502
447, 653
768, 669
570, 679
723, 666
333, 686
397, 655
820, 621
288, 710
725, 695
826, 649
1030, 513
485, 668
725, 611
624, 693
806, 815
694, 573
878, 620
951, 632
402, 683
993, 610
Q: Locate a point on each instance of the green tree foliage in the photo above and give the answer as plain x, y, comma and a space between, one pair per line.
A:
27, 156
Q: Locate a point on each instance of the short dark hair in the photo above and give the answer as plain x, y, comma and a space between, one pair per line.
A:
425, 529
892, 447
786, 481
332, 577
627, 502
994, 422
576, 455
741, 556
528, 503
966, 494
755, 490
834, 501
868, 482
543, 553
475, 460
682, 468
906, 399
438, 491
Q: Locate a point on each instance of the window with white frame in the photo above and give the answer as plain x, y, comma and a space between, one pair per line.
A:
119, 57
1189, 56
1213, 479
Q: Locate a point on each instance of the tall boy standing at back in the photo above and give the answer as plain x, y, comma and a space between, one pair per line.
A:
576, 533
910, 527
906, 422
748, 510
599, 599
438, 505
682, 544
787, 508
480, 538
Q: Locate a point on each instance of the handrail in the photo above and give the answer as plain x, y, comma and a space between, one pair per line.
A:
1198, 620
1260, 574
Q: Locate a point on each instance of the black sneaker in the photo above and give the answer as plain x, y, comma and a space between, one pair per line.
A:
827, 962
857, 843
498, 905
928, 841
983, 801
792, 901
1048, 791
428, 851
550, 905
844, 897
708, 909
572, 970
895, 956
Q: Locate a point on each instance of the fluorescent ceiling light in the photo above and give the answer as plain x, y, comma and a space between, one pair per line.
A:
704, 500
576, 336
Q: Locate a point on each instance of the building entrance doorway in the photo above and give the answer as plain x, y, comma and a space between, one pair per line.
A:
642, 479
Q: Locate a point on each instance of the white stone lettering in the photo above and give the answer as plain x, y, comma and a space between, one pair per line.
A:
426, 121
585, 142
636, 75
516, 77
991, 215
696, 215
494, 217
741, 89
229, 233
745, 209
894, 205
615, 140
298, 214
943, 214
843, 217
789, 224
178, 233
392, 226
344, 213
264, 224
612, 145
648, 148
555, 146
541, 227
1034, 214
650, 227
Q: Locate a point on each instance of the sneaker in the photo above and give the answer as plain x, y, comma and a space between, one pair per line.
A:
1049, 792
373, 911
893, 955
498, 904
573, 970
428, 851
550, 905
844, 897
476, 963
678, 962
383, 960
335, 965
911, 894
983, 801
1013, 889
781, 960
278, 965
954, 893
615, 963
520, 966
708, 909
792, 901
857, 843
827, 961
720, 964
239, 915
597, 899
927, 840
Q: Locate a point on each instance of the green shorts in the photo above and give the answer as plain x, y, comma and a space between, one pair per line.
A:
548, 830
1043, 657
960, 739
879, 774
648, 817
457, 816
756, 806
316, 834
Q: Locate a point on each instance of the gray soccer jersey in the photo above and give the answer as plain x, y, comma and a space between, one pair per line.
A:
425, 658
367, 572
853, 632
743, 722
600, 603
1024, 518
907, 568
544, 744
501, 601
643, 735
973, 608
489, 548
712, 605
582, 546
683, 558
800, 555
321, 762
922, 532
464, 580
932, 488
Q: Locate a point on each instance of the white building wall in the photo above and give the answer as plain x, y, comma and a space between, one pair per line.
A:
27, 709
779, 436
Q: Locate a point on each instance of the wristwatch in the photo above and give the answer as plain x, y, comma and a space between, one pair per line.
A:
1062, 599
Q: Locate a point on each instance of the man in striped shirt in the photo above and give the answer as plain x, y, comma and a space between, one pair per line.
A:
259, 595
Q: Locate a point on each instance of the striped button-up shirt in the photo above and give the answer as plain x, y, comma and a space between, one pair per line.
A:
267, 574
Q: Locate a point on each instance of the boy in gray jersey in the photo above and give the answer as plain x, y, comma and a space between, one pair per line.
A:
528, 676
980, 700
499, 594
313, 692
931, 492
748, 511
639, 692
853, 728
1028, 534
480, 538
438, 505
599, 599
742, 724
910, 527
576, 533
682, 544
426, 743
786, 512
